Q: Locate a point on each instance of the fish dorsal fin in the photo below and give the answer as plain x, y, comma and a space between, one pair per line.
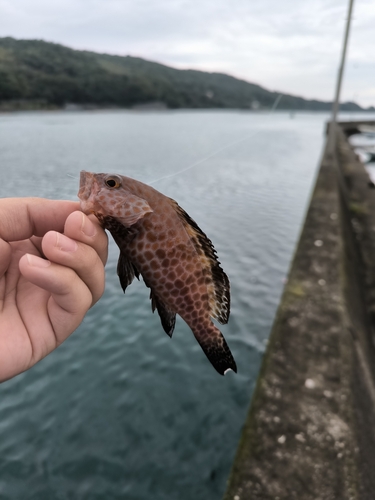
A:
219, 287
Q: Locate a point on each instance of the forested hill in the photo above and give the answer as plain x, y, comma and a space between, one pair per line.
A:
41, 74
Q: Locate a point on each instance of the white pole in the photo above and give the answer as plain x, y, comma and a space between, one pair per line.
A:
335, 107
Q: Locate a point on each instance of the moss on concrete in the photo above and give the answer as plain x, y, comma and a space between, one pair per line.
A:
296, 289
358, 208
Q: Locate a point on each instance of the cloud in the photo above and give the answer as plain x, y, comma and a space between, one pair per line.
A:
291, 46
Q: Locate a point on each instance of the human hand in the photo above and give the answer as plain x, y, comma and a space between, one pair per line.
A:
43, 301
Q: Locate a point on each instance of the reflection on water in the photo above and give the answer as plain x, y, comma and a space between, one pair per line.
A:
120, 410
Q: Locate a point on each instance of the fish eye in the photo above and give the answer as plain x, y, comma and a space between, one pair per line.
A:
113, 182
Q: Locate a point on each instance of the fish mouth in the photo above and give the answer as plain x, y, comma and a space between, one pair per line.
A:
88, 189
85, 183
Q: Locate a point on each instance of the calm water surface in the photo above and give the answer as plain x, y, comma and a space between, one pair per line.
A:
120, 411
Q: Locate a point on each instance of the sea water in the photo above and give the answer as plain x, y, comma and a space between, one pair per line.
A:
120, 410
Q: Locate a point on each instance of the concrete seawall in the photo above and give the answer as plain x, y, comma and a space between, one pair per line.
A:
310, 431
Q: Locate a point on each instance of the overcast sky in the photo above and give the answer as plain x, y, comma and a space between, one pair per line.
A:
292, 46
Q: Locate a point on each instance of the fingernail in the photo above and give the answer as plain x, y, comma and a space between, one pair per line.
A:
87, 227
35, 261
65, 244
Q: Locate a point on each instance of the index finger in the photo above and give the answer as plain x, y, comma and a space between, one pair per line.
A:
21, 218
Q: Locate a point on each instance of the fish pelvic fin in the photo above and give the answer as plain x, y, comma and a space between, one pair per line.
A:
215, 347
218, 286
126, 271
167, 317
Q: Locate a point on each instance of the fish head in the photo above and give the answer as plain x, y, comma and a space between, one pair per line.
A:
107, 195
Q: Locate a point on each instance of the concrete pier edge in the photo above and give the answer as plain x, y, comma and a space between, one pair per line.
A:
310, 430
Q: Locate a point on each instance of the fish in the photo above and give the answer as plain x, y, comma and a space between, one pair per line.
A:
177, 261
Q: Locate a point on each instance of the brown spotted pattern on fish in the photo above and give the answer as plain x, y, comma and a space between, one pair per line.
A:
177, 261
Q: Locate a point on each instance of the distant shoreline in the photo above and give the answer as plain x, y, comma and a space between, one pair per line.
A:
146, 109
38, 75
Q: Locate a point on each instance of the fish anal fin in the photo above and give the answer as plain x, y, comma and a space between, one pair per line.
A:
126, 271
219, 287
167, 317
215, 348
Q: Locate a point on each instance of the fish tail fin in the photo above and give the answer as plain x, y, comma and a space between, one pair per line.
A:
215, 347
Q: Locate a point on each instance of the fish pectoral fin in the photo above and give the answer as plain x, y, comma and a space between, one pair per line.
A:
167, 317
133, 209
126, 271
215, 348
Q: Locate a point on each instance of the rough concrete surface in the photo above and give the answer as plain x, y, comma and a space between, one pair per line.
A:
309, 434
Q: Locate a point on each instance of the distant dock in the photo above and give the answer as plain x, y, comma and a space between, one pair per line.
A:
310, 431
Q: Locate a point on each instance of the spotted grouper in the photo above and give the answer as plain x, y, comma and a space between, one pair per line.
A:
177, 261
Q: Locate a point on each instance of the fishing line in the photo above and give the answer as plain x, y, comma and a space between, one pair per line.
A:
217, 151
